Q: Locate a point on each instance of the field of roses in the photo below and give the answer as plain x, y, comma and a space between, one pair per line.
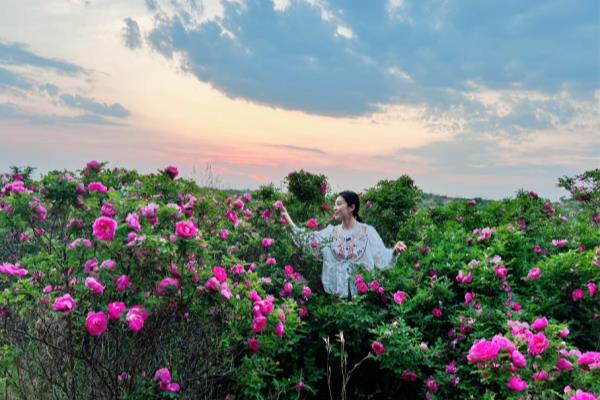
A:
118, 285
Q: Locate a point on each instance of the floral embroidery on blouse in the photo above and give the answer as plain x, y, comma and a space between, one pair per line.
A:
352, 247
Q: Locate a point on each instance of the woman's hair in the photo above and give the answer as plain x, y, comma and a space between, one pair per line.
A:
352, 198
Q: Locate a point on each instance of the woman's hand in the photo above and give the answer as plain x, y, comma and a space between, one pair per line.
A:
286, 215
399, 248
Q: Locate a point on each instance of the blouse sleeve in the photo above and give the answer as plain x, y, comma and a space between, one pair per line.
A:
383, 257
302, 237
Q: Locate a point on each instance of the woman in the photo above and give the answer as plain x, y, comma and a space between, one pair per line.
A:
346, 245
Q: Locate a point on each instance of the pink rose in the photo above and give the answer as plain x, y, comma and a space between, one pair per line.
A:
97, 187
14, 270
93, 164
534, 273
592, 288
279, 329
504, 343
436, 312
172, 171
64, 303
501, 272
540, 376
581, 395
540, 324
577, 294
306, 292
278, 205
213, 284
516, 383
267, 242
469, 296
408, 376
288, 288
254, 344
518, 359
104, 228
564, 365
96, 323
220, 273
432, 385
312, 223
377, 348
258, 324
109, 264
563, 333
239, 204
483, 350
136, 316
399, 297
538, 343
167, 285
271, 261
122, 283
451, 368
133, 220
94, 285
115, 309
162, 375
590, 359
185, 229
108, 210
559, 243
461, 278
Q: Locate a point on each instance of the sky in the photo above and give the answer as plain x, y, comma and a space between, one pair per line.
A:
470, 98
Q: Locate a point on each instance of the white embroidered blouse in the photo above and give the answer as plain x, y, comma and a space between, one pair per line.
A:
343, 250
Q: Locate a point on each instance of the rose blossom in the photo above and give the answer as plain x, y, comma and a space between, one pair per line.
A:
534, 273
581, 395
577, 294
122, 283
96, 323
399, 297
185, 229
136, 316
253, 344
94, 285
166, 285
104, 228
590, 359
115, 309
97, 187
483, 350
538, 343
10, 269
377, 348
312, 223
516, 383
564, 365
540, 324
64, 303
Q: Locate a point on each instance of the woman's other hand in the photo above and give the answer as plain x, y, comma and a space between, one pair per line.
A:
399, 248
286, 215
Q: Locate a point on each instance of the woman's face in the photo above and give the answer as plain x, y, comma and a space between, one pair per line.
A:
341, 209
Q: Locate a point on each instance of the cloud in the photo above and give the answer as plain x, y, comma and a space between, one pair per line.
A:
132, 36
11, 111
19, 79
11, 80
85, 103
18, 54
297, 148
344, 59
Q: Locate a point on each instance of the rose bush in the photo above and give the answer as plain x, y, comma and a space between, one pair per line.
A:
121, 285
